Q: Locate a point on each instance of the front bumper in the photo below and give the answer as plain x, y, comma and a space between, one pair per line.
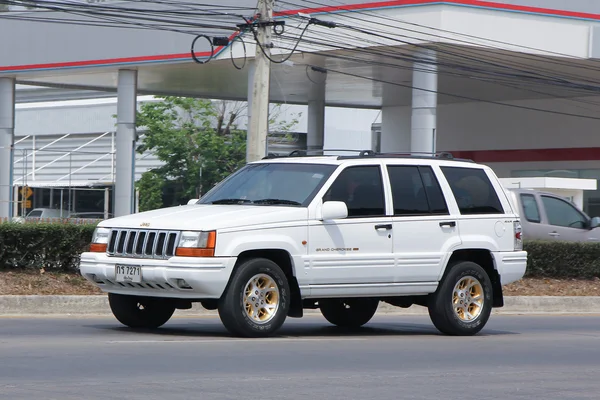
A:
511, 265
206, 277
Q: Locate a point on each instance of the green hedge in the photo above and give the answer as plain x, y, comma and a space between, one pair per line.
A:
52, 246
56, 246
562, 259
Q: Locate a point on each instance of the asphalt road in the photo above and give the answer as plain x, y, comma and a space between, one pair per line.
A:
393, 357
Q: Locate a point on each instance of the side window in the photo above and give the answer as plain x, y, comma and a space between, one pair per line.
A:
437, 202
473, 191
415, 191
361, 189
561, 213
530, 208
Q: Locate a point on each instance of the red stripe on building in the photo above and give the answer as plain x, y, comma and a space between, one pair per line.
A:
530, 155
472, 3
351, 7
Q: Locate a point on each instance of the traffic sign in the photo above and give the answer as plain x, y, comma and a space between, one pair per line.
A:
27, 203
26, 192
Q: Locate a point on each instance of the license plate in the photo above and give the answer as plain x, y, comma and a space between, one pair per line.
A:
128, 273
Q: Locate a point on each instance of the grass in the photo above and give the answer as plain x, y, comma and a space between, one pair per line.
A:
72, 283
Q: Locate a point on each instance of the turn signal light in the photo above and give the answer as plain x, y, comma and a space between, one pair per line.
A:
192, 252
98, 247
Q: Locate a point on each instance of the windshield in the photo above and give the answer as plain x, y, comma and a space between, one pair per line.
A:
271, 184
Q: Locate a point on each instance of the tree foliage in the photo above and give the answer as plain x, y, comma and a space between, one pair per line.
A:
198, 142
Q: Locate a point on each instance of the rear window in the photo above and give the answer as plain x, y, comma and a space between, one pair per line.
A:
473, 191
530, 208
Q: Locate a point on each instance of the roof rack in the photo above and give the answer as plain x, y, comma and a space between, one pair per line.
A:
445, 155
318, 153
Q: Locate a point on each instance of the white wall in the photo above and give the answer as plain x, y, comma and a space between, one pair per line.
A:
485, 126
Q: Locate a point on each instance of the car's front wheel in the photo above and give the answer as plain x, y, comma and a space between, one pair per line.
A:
463, 302
140, 312
257, 299
349, 313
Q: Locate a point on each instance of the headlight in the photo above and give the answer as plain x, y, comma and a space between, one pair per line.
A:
197, 244
100, 240
101, 235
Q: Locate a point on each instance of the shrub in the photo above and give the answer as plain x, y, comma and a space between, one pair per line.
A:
562, 259
45, 245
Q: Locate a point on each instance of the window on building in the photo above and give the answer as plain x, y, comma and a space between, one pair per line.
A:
530, 208
561, 213
415, 191
361, 188
473, 191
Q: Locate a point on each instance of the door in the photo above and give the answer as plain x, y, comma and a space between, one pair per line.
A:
424, 231
565, 222
531, 218
356, 249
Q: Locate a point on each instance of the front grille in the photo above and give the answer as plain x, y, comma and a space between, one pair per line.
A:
139, 243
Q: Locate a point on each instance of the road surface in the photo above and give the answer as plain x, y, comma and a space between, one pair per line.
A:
393, 357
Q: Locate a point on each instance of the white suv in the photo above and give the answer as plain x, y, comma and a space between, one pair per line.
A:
338, 233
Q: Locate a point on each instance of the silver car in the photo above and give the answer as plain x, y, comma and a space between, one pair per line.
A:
547, 216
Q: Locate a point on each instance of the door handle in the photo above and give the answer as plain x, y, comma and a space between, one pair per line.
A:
554, 234
450, 224
384, 226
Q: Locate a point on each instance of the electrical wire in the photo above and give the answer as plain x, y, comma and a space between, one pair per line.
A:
501, 56
456, 95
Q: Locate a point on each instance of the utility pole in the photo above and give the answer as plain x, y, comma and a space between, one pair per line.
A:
259, 120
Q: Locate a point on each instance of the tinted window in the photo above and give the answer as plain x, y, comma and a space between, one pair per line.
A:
435, 197
415, 191
561, 213
530, 208
297, 183
361, 189
473, 191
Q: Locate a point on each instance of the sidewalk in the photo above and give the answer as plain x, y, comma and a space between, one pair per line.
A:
98, 305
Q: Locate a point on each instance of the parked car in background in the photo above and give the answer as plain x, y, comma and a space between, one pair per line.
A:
547, 216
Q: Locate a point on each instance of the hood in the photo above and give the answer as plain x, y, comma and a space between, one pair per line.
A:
208, 217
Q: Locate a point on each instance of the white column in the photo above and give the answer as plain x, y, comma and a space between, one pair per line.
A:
395, 129
315, 135
7, 139
424, 103
125, 142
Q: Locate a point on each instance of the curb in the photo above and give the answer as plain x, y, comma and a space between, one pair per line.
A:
98, 305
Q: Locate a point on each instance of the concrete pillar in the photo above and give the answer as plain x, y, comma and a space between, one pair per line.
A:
125, 143
395, 129
424, 103
7, 139
251, 68
315, 135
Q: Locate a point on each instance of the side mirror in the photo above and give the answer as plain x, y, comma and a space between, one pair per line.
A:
595, 222
192, 201
334, 210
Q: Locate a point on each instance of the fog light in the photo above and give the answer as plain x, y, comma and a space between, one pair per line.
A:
182, 284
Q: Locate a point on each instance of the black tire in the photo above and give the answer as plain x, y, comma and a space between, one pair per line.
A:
234, 311
442, 311
140, 312
349, 313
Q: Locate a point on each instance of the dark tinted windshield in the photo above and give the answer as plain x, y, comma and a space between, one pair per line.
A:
271, 184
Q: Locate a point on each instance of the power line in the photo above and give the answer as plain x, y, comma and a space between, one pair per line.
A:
501, 56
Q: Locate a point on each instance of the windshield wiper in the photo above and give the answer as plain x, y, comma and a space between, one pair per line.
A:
231, 201
277, 201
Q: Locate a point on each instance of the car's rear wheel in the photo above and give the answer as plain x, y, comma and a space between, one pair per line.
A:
140, 312
257, 300
463, 302
349, 313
